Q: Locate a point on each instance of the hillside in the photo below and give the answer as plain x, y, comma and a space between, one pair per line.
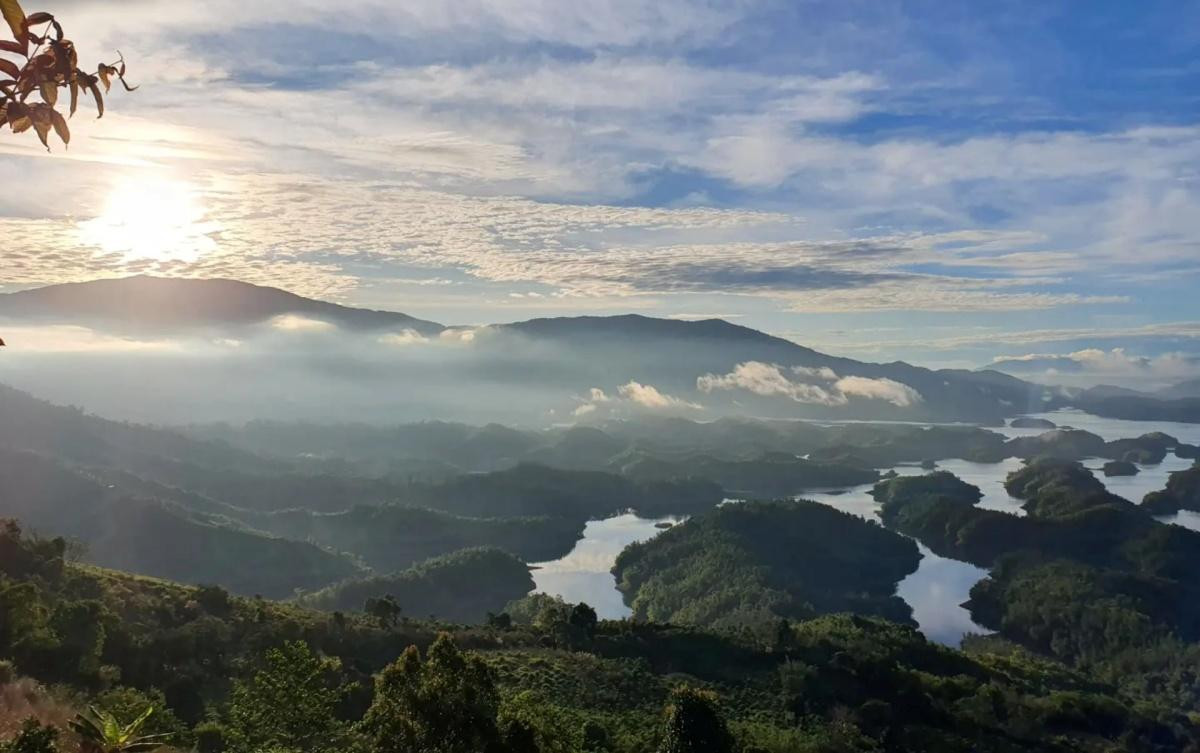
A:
222, 669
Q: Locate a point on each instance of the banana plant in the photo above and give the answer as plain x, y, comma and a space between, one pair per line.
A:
100, 732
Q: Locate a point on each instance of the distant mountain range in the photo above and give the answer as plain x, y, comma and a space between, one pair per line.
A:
162, 303
562, 357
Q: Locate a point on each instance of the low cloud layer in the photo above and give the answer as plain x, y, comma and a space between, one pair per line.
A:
806, 385
1093, 366
632, 397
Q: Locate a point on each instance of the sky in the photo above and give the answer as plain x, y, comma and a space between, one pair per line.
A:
948, 183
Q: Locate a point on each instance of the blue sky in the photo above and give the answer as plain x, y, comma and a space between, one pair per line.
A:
942, 182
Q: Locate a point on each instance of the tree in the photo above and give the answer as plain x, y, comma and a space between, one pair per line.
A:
385, 609
101, 732
693, 724
289, 703
583, 618
445, 704
29, 93
34, 737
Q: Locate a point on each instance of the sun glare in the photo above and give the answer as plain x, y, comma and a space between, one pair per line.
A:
153, 219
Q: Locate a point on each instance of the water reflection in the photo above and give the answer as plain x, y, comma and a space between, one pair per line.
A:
940, 585
936, 592
585, 574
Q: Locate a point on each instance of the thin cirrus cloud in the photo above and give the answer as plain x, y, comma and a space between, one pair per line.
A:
673, 156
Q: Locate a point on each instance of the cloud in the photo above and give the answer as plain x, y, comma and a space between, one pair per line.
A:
506, 145
402, 338
1096, 364
894, 392
648, 396
632, 397
67, 339
769, 380
294, 323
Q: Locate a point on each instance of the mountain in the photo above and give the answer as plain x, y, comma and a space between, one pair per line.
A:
508, 373
155, 302
1189, 388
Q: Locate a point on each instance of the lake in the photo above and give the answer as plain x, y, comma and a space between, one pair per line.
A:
937, 590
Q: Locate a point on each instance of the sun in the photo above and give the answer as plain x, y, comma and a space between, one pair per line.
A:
151, 219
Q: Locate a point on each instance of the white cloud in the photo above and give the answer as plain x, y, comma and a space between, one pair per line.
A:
295, 323
1097, 363
75, 339
632, 397
894, 392
769, 380
648, 396
403, 338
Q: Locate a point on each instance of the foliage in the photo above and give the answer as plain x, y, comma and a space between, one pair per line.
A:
749, 564
50, 65
34, 737
290, 703
693, 724
447, 703
463, 586
101, 732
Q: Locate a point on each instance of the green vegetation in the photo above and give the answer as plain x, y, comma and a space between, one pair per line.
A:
460, 587
159, 538
537, 490
752, 563
1181, 493
392, 537
768, 476
249, 675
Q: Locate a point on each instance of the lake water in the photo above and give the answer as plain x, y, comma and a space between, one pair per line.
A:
937, 590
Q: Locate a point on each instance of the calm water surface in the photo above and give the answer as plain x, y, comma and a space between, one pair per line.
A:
937, 590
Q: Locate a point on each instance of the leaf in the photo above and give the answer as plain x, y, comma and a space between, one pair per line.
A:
105, 72
18, 117
10, 68
7, 45
60, 127
74, 94
16, 21
49, 93
99, 98
40, 17
42, 122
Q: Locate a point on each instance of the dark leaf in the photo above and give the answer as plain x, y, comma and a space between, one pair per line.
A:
16, 20
106, 73
43, 121
49, 93
99, 98
60, 126
40, 17
7, 45
74, 95
9, 67
18, 116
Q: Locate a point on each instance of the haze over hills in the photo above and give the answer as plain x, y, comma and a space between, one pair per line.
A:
209, 332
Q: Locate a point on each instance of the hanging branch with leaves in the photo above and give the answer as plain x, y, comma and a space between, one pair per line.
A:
29, 88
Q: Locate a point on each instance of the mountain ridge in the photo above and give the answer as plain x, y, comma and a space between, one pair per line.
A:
670, 355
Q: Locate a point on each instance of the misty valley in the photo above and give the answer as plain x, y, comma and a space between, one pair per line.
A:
587, 521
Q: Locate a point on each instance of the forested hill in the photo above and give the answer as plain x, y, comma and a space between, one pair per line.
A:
247, 675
